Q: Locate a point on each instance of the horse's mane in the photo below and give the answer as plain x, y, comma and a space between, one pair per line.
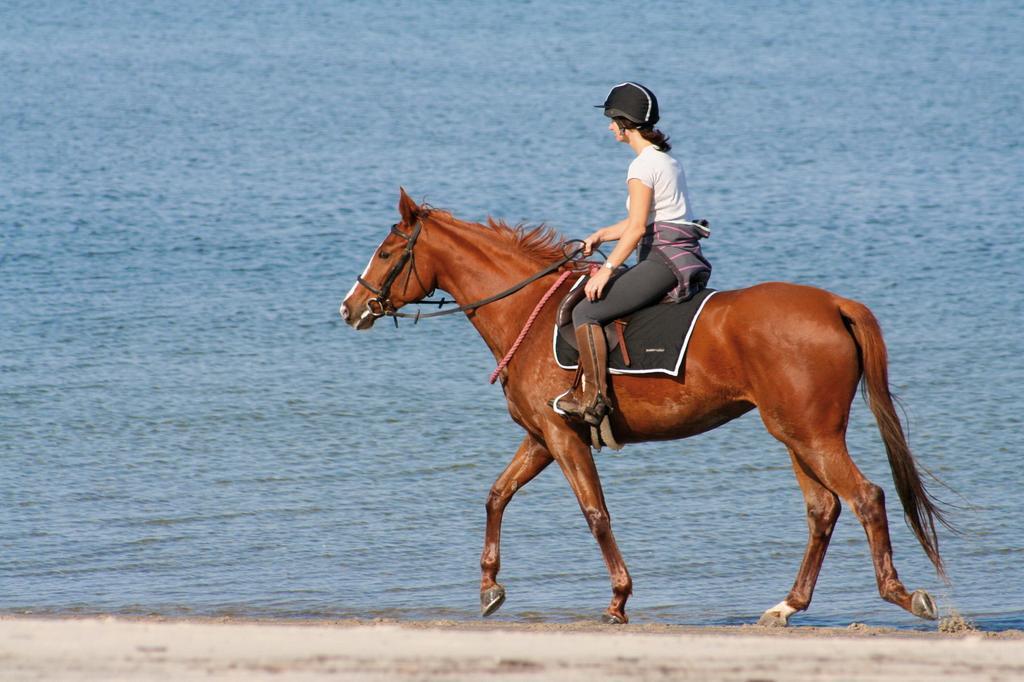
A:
540, 242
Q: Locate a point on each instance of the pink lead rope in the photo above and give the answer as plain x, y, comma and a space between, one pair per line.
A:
526, 327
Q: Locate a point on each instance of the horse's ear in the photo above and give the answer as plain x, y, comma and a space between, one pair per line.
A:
407, 207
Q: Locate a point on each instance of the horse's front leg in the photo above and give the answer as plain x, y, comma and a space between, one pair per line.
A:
531, 459
577, 462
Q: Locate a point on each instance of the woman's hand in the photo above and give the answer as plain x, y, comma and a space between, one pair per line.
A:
594, 287
592, 242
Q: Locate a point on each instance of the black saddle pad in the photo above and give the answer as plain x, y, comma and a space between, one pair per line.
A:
656, 338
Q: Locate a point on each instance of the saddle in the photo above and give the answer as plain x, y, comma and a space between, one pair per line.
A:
650, 340
614, 331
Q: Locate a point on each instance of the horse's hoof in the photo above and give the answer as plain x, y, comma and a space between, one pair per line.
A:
773, 619
777, 616
491, 600
611, 619
923, 606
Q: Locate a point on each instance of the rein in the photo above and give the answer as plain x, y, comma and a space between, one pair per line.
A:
383, 295
526, 327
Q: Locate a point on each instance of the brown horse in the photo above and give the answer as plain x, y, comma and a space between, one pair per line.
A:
796, 353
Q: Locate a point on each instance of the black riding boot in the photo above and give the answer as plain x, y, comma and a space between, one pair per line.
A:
589, 402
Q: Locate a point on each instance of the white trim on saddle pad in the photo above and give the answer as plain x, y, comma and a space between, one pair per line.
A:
679, 360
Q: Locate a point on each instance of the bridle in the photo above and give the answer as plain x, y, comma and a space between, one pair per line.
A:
381, 304
382, 298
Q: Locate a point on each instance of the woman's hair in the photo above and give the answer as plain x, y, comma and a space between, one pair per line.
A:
652, 135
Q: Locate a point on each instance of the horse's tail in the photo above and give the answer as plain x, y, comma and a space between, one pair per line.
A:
920, 509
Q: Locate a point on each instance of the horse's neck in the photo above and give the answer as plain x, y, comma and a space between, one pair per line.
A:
475, 265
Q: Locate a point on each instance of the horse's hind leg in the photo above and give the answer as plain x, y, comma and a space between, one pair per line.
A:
830, 463
531, 459
822, 511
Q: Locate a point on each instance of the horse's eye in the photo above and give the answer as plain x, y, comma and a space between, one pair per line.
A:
385, 255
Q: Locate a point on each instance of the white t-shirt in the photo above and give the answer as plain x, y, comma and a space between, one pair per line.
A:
663, 174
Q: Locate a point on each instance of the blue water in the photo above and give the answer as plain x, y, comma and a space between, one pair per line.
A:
187, 191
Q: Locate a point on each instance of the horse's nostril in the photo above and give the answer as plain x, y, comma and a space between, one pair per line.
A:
344, 312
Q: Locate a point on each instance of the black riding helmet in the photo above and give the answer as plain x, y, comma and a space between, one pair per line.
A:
632, 101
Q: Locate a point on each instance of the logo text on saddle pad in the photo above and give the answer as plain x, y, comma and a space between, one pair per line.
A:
656, 338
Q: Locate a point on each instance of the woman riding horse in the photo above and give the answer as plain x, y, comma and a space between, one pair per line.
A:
659, 221
795, 353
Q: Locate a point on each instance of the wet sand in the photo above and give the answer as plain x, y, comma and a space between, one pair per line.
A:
108, 648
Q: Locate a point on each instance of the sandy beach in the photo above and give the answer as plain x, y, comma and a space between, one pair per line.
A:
107, 648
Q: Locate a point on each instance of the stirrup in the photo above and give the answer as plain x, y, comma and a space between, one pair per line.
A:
602, 435
596, 413
571, 409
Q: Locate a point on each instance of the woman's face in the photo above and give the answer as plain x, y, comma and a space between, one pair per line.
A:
619, 133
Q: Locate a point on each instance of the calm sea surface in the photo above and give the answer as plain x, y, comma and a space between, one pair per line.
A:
187, 192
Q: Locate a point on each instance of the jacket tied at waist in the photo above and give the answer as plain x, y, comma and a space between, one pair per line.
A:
677, 245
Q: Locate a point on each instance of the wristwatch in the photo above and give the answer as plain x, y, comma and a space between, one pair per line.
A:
608, 264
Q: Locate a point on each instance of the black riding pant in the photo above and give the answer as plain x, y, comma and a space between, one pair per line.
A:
642, 285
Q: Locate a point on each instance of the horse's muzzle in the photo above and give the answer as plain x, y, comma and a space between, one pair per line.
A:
359, 322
